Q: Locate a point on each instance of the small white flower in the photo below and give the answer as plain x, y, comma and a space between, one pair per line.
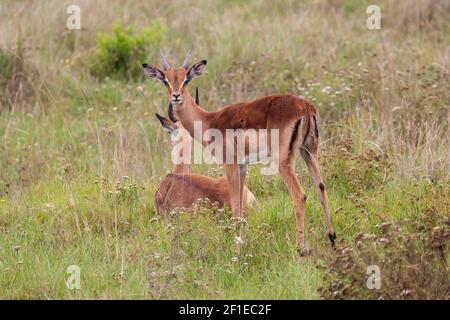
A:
50, 205
238, 240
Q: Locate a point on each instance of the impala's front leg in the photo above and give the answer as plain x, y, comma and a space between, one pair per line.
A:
236, 175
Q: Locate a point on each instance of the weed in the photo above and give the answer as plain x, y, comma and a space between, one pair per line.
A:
358, 173
16, 74
412, 257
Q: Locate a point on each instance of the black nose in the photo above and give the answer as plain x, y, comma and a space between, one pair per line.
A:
176, 95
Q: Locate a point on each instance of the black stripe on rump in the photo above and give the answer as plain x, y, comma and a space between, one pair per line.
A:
316, 128
294, 134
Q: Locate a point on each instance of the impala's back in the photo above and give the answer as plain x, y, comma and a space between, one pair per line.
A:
183, 190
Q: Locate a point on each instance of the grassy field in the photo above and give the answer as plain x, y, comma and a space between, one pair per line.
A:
81, 151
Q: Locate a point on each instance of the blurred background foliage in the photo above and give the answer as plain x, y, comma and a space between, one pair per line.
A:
77, 117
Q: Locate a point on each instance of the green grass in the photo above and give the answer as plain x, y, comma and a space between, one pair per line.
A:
70, 142
124, 251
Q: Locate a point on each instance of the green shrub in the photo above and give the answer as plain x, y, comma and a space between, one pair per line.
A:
16, 74
5, 65
412, 257
121, 53
356, 172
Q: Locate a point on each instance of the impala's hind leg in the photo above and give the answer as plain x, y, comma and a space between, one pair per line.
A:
311, 159
287, 171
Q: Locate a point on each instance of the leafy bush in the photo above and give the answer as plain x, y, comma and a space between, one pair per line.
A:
121, 53
5, 66
412, 258
357, 172
16, 74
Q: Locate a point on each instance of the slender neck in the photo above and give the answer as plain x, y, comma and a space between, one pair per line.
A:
182, 168
189, 113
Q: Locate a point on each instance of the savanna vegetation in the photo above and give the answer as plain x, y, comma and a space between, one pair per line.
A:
81, 151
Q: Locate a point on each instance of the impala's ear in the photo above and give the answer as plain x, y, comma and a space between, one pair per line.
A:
166, 123
153, 72
196, 70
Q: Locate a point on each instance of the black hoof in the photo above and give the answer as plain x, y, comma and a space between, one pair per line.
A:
332, 237
303, 249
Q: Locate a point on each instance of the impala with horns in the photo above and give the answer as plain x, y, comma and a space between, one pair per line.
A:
182, 188
293, 118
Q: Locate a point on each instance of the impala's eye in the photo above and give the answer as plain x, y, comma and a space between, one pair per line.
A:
185, 83
166, 83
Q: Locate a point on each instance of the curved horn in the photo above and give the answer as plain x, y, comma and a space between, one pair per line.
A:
171, 114
187, 59
165, 64
197, 100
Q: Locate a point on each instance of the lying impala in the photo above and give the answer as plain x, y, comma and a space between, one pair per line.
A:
295, 120
182, 188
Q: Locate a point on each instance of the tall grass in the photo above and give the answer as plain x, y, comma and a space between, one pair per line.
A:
66, 137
